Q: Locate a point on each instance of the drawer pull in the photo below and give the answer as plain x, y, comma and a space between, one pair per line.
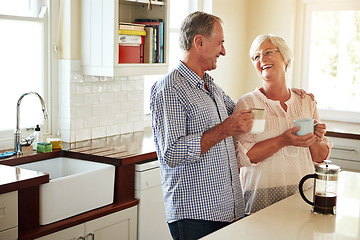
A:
2, 211
348, 149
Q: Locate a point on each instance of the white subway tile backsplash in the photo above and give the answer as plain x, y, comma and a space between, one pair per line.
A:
106, 97
77, 123
99, 110
128, 85
114, 129
99, 87
134, 116
106, 120
77, 100
97, 106
121, 118
127, 106
91, 99
98, 132
83, 111
92, 122
120, 97
91, 79
113, 108
127, 128
83, 88
83, 134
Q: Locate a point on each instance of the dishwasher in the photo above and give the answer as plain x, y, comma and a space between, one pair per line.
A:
151, 212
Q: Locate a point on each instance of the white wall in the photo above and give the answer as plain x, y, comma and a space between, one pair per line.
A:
231, 69
244, 20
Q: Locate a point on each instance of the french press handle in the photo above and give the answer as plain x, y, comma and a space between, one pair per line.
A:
302, 181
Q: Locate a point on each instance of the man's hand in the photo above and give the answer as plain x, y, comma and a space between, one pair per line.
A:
238, 123
302, 93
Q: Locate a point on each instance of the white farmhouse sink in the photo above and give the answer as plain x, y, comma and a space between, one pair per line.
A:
75, 186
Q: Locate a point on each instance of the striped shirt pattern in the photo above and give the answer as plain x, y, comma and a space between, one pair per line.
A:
195, 186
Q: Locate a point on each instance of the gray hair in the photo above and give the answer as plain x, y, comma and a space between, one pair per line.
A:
196, 23
284, 49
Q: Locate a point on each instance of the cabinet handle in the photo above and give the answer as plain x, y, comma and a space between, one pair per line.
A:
90, 235
348, 149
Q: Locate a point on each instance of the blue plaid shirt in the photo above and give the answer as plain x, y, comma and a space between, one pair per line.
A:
195, 186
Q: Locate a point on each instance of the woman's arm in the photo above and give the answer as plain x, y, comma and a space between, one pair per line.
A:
264, 149
319, 150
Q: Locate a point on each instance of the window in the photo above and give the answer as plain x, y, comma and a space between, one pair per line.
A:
178, 11
24, 61
331, 60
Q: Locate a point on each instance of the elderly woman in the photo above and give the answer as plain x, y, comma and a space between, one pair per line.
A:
273, 162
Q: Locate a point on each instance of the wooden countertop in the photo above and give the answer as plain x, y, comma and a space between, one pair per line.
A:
117, 150
13, 178
122, 151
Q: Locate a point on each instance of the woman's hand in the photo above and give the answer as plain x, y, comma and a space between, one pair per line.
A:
289, 138
319, 130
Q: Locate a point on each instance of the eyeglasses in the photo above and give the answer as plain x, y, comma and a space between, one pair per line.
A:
265, 53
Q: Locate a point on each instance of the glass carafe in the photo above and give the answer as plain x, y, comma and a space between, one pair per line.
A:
325, 187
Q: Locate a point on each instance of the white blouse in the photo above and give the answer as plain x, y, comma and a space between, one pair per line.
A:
278, 176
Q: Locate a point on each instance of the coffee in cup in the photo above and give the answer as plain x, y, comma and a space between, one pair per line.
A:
259, 115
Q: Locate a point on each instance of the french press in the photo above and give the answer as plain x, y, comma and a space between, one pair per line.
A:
325, 187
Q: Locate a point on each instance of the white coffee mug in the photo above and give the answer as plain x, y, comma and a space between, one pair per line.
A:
259, 116
306, 126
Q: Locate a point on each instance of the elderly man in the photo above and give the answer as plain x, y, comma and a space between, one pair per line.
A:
193, 124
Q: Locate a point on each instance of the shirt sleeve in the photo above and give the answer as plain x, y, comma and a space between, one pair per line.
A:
244, 142
169, 121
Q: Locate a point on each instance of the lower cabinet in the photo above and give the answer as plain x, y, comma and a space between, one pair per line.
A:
346, 153
9, 216
116, 226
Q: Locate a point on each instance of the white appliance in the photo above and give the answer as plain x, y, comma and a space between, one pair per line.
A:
151, 212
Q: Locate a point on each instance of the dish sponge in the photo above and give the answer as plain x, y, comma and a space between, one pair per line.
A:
55, 142
43, 147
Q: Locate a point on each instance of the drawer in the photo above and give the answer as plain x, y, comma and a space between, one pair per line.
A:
8, 210
147, 179
343, 148
10, 234
346, 165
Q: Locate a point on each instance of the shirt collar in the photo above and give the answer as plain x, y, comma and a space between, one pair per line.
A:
192, 78
262, 96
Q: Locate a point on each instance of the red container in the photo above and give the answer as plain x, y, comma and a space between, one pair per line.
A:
129, 53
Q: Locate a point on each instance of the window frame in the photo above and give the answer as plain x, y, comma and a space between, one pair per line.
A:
303, 33
50, 74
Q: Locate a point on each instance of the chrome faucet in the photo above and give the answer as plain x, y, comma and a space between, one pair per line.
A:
17, 132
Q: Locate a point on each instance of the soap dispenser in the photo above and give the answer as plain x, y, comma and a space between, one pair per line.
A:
37, 137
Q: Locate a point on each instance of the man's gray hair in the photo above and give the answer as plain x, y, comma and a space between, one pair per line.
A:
196, 23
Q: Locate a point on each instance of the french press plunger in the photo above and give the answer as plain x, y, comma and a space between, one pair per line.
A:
325, 187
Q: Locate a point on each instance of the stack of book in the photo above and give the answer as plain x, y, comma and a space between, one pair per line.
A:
131, 42
154, 40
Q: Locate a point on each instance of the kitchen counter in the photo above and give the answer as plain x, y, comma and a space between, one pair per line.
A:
342, 129
118, 150
123, 151
292, 218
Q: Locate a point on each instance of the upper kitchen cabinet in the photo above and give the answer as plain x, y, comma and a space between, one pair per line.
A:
100, 36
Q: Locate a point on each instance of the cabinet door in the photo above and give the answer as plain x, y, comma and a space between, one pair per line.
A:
117, 226
8, 210
73, 233
345, 153
10, 234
